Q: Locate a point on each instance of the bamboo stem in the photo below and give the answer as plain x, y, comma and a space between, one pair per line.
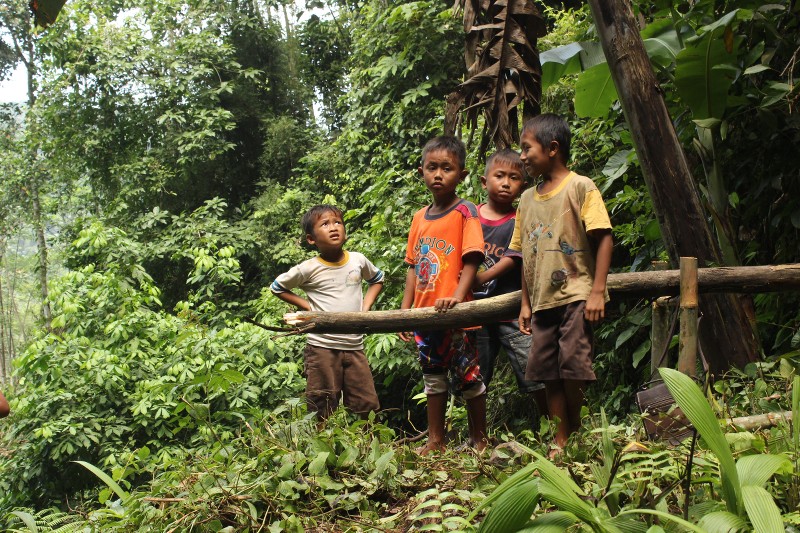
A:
687, 350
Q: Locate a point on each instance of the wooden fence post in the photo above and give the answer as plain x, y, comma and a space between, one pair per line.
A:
660, 328
687, 349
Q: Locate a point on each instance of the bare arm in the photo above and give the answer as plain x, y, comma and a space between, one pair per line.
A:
408, 299
295, 300
505, 264
596, 304
525, 309
465, 282
372, 293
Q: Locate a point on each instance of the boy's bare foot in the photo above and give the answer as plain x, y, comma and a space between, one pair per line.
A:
555, 452
431, 447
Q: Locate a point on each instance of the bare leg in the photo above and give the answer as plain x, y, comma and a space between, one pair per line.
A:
557, 407
437, 403
564, 401
573, 389
476, 415
540, 397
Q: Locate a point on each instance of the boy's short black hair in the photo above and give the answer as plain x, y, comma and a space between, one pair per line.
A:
551, 127
507, 156
311, 216
448, 143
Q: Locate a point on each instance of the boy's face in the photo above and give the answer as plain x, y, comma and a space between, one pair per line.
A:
442, 173
503, 183
328, 233
536, 158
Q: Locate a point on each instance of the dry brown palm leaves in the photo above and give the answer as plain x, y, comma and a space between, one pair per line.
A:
503, 69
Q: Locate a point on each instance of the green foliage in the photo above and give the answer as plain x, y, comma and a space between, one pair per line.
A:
118, 373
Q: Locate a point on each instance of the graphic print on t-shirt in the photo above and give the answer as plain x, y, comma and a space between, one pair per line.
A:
426, 269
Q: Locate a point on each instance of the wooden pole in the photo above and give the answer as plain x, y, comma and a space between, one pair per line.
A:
634, 284
687, 350
660, 328
728, 336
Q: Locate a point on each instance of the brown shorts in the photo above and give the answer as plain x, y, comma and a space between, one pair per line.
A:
561, 344
331, 373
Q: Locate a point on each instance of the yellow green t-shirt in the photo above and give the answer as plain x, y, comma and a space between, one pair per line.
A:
558, 257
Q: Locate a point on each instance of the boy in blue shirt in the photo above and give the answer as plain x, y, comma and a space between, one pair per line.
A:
503, 181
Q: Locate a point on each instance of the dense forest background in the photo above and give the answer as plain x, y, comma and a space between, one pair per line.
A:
152, 187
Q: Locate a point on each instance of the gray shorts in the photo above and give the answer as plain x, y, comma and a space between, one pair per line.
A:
516, 344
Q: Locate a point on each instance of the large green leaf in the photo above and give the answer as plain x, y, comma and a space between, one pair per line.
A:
512, 481
694, 405
569, 59
796, 413
113, 485
722, 522
757, 469
595, 92
662, 42
514, 509
552, 522
764, 515
706, 68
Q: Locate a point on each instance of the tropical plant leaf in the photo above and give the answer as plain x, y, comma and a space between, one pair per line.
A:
695, 406
27, 519
503, 69
722, 522
513, 509
700, 81
756, 470
662, 42
113, 485
595, 92
512, 481
568, 59
553, 522
761, 509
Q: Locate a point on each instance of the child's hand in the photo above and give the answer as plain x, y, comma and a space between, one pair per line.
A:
406, 336
443, 304
595, 309
525, 319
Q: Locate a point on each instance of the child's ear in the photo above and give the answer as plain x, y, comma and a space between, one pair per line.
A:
483, 182
310, 239
554, 148
464, 173
419, 169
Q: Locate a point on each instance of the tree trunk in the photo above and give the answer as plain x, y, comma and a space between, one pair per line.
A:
726, 333
635, 284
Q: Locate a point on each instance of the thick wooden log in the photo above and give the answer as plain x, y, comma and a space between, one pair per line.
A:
728, 337
634, 284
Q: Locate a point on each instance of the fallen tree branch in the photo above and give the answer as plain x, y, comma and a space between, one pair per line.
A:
626, 285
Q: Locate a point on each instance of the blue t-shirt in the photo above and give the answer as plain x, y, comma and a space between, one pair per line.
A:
496, 237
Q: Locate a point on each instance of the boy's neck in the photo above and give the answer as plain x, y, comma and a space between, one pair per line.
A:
552, 179
442, 204
333, 255
496, 210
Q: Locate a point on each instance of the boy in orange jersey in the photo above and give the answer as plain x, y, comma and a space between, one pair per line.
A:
563, 233
445, 247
